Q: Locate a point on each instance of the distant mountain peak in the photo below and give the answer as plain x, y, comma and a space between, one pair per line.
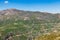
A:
12, 9
9, 11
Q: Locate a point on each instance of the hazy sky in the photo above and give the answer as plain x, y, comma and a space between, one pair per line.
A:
32, 5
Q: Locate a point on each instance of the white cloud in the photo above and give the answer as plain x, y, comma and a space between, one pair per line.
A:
5, 2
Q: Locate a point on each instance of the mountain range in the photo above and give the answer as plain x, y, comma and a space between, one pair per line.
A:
28, 23
27, 14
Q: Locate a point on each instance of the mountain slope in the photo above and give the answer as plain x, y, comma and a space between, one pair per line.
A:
28, 14
28, 24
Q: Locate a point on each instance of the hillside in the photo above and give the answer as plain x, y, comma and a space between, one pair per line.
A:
27, 14
28, 24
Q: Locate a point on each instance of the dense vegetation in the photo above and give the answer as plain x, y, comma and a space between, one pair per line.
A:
30, 25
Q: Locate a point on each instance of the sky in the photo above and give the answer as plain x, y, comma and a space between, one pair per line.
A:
52, 6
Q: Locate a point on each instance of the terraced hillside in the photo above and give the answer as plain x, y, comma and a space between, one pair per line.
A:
29, 25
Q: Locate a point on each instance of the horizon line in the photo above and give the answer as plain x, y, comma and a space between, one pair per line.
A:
30, 10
